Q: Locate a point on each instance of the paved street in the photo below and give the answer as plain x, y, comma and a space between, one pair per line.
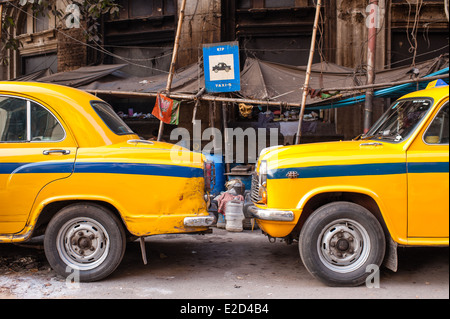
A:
221, 265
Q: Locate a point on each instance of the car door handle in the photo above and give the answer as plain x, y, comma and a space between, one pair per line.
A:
50, 152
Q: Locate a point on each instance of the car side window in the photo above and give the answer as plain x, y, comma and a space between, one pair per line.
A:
438, 131
44, 126
13, 120
26, 121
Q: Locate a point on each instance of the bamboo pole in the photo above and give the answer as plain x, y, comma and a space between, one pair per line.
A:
308, 71
271, 103
174, 61
388, 84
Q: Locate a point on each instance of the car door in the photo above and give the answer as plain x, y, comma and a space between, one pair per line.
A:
428, 179
35, 149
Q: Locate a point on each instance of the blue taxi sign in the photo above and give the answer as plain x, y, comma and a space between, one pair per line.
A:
222, 68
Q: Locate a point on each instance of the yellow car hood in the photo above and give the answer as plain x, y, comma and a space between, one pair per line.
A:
333, 153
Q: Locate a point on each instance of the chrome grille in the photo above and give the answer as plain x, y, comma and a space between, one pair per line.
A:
255, 188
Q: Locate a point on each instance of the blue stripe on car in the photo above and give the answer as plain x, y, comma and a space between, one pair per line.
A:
439, 167
101, 168
139, 169
360, 170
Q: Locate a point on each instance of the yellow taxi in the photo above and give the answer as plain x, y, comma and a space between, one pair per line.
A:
71, 169
351, 203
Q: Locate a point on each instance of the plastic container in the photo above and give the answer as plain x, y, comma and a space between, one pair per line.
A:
221, 223
219, 185
234, 216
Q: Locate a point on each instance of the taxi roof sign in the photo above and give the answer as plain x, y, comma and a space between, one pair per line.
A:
436, 83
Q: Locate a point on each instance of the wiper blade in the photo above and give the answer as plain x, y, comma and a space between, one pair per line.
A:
369, 137
383, 137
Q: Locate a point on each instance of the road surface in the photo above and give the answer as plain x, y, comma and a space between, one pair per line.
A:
222, 266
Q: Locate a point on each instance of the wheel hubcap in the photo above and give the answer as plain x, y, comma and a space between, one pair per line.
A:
83, 243
343, 246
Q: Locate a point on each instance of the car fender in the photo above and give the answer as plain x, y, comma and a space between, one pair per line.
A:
394, 233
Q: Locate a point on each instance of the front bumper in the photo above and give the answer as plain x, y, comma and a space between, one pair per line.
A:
201, 221
272, 215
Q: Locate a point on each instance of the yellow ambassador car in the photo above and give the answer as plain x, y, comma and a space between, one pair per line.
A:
350, 204
71, 169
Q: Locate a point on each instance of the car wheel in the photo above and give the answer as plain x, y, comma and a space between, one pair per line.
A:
85, 241
338, 243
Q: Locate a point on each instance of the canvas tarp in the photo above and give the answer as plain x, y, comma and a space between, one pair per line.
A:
266, 81
260, 80
276, 82
81, 76
35, 75
188, 80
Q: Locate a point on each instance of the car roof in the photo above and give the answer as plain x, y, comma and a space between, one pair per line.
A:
73, 107
437, 93
40, 88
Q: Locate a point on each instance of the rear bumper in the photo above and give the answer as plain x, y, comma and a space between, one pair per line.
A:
272, 215
200, 221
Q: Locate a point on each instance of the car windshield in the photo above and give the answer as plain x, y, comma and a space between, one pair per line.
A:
111, 119
400, 120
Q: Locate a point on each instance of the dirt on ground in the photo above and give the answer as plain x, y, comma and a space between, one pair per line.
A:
222, 265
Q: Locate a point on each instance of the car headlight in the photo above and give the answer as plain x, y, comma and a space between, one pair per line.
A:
263, 182
263, 173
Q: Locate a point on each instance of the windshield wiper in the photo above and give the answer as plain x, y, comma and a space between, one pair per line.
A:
369, 137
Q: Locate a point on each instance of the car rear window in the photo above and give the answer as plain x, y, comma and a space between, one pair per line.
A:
111, 119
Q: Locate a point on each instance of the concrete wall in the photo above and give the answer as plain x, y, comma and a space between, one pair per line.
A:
352, 34
202, 24
351, 51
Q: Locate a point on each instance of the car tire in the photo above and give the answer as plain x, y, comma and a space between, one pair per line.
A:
340, 243
85, 242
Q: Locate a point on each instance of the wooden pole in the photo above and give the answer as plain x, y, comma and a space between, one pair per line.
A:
174, 61
308, 71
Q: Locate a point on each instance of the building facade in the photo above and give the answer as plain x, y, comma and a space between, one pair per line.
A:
143, 32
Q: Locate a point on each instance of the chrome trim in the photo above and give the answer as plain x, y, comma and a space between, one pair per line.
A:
200, 221
140, 141
63, 152
371, 144
272, 215
255, 195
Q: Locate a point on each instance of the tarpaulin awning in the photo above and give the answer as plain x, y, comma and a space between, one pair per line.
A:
81, 76
35, 75
392, 92
276, 82
260, 81
188, 80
